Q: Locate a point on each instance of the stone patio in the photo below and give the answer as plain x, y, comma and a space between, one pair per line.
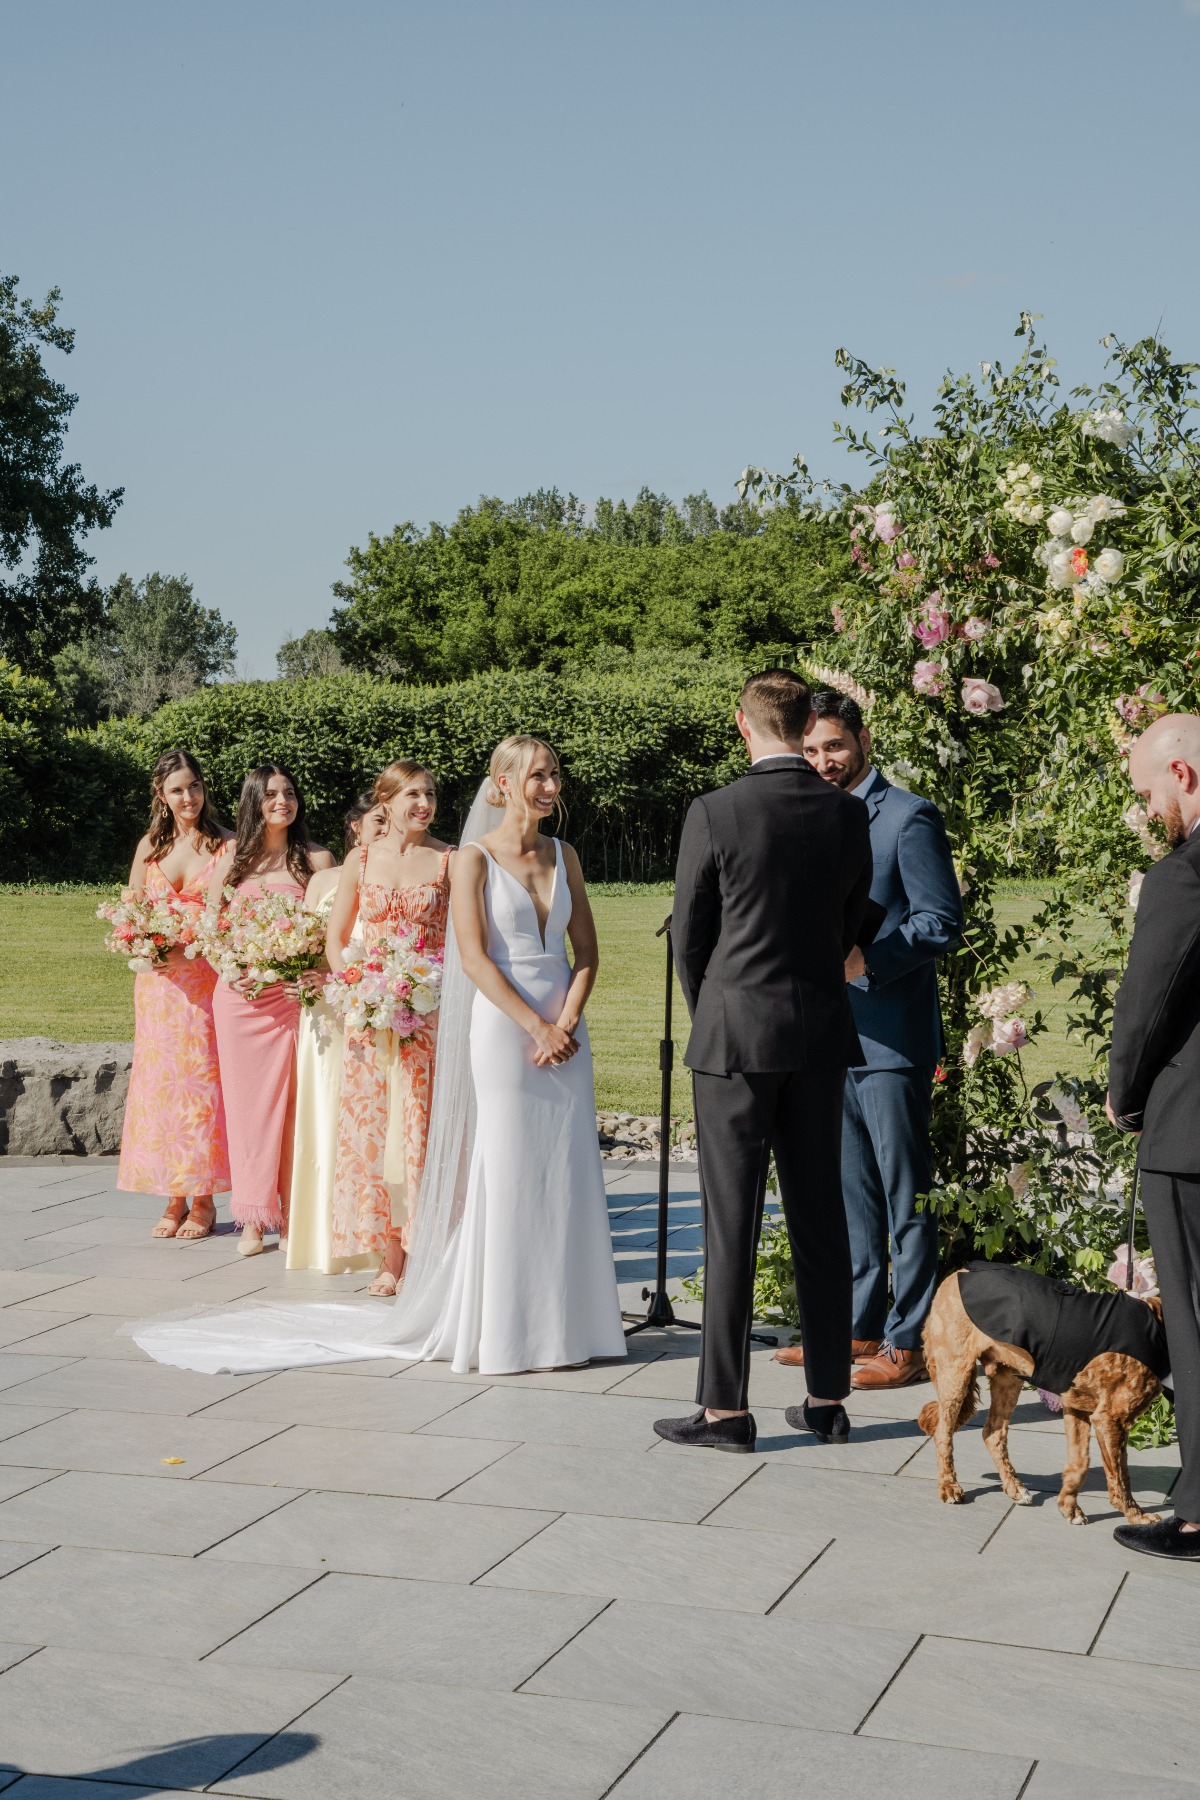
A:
394, 1581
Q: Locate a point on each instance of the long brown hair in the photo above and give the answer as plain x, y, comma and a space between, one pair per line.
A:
251, 827
162, 832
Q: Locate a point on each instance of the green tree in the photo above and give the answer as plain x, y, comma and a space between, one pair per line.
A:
313, 653
46, 507
154, 643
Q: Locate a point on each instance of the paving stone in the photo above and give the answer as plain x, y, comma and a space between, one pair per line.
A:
166, 1261
126, 1443
597, 1378
15, 1556
18, 1325
1153, 1621
16, 1369
1072, 1781
16, 1420
93, 1335
144, 1299
355, 1624
138, 1605
644, 1560
415, 1741
891, 1579
1128, 1717
297, 1398
773, 1669
131, 1512
595, 1421
1038, 1459
712, 1759
31, 1284
412, 1465
371, 1534
140, 1387
877, 1446
12, 1654
63, 1787
17, 1480
784, 1498
149, 1719
1040, 1531
620, 1483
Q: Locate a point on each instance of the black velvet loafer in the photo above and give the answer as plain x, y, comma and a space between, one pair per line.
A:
829, 1423
1167, 1538
737, 1434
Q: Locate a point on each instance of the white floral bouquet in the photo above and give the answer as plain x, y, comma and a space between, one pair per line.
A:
147, 927
394, 986
267, 938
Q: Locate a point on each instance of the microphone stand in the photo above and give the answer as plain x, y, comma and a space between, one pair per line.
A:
660, 1313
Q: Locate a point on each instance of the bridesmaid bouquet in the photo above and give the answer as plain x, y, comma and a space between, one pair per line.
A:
146, 928
269, 938
391, 987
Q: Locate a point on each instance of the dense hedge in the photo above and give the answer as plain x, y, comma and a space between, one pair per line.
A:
636, 748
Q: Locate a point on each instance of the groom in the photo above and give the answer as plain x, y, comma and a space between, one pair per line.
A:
771, 889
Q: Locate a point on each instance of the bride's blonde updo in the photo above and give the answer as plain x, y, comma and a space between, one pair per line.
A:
514, 758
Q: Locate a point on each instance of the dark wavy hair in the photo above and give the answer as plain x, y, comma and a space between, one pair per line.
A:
356, 812
162, 832
252, 827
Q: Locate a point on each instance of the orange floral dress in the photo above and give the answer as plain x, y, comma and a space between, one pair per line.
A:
174, 1140
387, 1086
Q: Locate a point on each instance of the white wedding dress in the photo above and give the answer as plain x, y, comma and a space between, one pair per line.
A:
511, 1265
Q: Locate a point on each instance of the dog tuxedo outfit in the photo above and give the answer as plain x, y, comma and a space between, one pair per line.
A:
1061, 1327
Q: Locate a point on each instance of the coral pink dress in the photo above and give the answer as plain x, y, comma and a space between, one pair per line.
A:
387, 1086
173, 1140
256, 1044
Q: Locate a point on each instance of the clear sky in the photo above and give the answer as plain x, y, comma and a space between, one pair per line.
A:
334, 266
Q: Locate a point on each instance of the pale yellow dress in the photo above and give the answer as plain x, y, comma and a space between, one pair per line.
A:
318, 1094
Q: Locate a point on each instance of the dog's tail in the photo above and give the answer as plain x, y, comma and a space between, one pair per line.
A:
927, 1418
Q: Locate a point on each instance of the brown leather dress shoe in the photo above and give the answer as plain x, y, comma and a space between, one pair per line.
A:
860, 1350
891, 1368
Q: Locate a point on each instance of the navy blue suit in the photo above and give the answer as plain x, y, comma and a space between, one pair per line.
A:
886, 1110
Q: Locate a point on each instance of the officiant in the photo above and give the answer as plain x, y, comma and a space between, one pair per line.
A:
916, 915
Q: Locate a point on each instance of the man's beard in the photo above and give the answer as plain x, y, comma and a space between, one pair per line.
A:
846, 777
1173, 824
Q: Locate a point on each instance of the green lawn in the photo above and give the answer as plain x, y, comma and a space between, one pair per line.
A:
56, 981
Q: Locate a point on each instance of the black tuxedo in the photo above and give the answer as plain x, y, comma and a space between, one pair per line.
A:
771, 891
1154, 1088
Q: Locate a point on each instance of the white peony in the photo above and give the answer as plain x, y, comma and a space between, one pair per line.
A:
1060, 522
1060, 569
1081, 530
1109, 565
1111, 428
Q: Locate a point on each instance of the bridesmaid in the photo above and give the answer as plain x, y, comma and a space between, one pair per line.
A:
173, 1139
256, 1038
318, 1085
402, 880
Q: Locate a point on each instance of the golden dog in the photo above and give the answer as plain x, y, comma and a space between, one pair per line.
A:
1107, 1394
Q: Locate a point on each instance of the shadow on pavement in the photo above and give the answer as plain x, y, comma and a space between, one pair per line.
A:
180, 1765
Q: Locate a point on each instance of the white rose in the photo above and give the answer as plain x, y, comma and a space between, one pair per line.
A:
1060, 571
1035, 482
1081, 530
1110, 565
1060, 522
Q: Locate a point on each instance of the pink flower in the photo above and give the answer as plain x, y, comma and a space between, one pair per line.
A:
1008, 1035
975, 628
927, 677
990, 561
932, 626
980, 697
1145, 1275
1079, 561
887, 528
1142, 705
906, 560
839, 619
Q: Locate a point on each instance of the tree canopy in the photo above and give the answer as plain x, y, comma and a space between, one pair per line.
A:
46, 507
533, 584
153, 642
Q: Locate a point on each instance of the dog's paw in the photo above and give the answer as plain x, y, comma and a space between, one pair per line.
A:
1142, 1518
1072, 1512
950, 1491
1019, 1494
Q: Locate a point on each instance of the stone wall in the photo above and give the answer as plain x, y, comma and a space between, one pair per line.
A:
62, 1099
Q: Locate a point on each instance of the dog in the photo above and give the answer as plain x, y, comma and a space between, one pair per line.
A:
1105, 1392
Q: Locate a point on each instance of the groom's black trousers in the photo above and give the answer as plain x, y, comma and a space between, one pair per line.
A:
740, 1121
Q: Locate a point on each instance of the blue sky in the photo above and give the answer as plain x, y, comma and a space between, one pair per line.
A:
337, 266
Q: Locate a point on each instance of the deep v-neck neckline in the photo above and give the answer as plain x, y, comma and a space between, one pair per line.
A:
184, 885
532, 902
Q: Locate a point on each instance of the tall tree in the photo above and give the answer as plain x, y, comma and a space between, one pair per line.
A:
46, 507
155, 642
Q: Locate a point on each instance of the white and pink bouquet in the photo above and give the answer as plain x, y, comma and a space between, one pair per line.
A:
266, 938
394, 986
147, 927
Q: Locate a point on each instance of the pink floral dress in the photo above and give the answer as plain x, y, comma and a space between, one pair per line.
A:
174, 1139
387, 1087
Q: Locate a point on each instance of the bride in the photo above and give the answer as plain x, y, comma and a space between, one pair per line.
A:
511, 1263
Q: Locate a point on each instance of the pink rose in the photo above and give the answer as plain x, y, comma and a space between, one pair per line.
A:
906, 560
887, 528
927, 677
1145, 1275
1008, 1035
980, 697
975, 628
990, 561
932, 625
